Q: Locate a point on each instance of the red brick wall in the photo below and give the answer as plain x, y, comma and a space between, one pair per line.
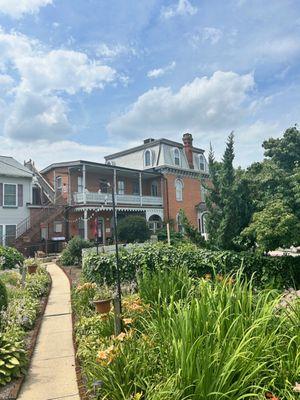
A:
191, 198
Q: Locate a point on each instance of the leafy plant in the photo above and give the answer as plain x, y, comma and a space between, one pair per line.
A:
3, 296
72, 253
103, 293
12, 359
10, 258
133, 229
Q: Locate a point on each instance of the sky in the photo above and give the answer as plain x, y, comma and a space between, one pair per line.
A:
80, 79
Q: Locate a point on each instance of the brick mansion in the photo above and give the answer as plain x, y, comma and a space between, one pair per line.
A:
70, 198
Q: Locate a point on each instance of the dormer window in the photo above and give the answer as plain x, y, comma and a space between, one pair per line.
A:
176, 157
201, 162
148, 158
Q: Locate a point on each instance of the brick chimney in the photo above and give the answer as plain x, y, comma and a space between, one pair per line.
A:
188, 148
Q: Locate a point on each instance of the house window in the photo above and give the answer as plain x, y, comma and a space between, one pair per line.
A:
148, 158
10, 234
154, 189
121, 187
201, 162
176, 157
80, 184
136, 188
10, 195
58, 228
179, 189
203, 193
58, 183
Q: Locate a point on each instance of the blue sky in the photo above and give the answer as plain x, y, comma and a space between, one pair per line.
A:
85, 78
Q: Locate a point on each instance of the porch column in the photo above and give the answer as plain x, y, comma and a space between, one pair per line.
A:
115, 186
84, 182
85, 224
141, 188
69, 187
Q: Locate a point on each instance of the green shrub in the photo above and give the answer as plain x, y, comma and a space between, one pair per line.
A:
10, 258
12, 359
72, 253
133, 229
3, 296
272, 271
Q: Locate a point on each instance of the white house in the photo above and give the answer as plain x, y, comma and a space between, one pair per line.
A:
15, 196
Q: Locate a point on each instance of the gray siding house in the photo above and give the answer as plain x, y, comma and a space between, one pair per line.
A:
15, 196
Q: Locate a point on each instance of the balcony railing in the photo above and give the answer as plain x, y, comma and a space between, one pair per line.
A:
106, 198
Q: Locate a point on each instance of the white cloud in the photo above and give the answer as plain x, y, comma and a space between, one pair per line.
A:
17, 8
158, 72
45, 153
65, 70
208, 34
6, 80
205, 104
212, 35
105, 51
183, 7
35, 116
39, 108
282, 48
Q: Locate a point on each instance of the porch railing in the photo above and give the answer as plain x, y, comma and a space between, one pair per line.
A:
106, 198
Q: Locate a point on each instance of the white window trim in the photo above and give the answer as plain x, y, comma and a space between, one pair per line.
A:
176, 150
201, 157
2, 241
182, 186
56, 185
151, 158
123, 189
16, 203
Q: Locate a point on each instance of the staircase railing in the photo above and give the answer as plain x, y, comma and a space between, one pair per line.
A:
35, 219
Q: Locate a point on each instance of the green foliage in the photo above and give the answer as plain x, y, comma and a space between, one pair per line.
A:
228, 200
19, 316
275, 226
12, 359
198, 339
72, 253
284, 151
10, 258
3, 296
281, 271
133, 229
190, 231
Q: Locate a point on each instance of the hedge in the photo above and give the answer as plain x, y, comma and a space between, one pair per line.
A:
10, 258
274, 271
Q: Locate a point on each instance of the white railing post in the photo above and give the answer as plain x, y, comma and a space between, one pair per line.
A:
141, 188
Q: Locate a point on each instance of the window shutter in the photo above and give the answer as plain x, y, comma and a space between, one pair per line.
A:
20, 195
1, 194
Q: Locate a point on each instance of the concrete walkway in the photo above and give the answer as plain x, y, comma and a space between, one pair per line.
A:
52, 371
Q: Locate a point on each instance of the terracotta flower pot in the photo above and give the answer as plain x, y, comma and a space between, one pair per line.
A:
103, 306
32, 269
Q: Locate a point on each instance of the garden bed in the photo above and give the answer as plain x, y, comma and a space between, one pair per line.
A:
25, 331
187, 336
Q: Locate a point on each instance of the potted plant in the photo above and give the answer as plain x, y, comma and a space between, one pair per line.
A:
102, 300
31, 264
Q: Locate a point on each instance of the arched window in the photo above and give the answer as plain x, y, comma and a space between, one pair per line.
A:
148, 158
176, 157
179, 189
201, 162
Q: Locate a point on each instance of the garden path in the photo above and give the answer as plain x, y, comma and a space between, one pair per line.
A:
52, 373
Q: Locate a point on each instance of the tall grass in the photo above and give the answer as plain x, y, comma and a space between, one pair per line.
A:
205, 339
